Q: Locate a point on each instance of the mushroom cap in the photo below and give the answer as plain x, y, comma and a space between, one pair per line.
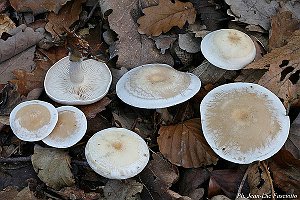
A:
95, 85
70, 128
228, 49
154, 86
33, 120
244, 122
117, 153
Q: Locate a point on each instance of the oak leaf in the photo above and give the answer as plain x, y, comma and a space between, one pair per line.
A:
131, 48
164, 16
283, 65
52, 166
37, 7
184, 145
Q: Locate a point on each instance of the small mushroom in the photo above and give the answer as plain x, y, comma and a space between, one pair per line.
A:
70, 128
77, 82
228, 49
117, 153
155, 86
244, 122
33, 120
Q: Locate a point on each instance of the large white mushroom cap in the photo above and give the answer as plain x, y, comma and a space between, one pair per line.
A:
117, 153
244, 122
228, 49
70, 128
33, 120
156, 86
96, 80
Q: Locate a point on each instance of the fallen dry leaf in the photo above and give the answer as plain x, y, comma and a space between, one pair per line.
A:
227, 180
76, 193
189, 42
26, 194
285, 170
139, 48
3, 5
22, 38
283, 65
67, 15
28, 81
9, 192
22, 61
258, 180
209, 73
184, 145
164, 16
158, 177
282, 27
293, 142
6, 24
164, 42
220, 197
92, 110
52, 166
250, 75
9, 99
117, 189
37, 7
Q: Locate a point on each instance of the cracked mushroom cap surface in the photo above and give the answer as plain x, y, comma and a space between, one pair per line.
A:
228, 49
95, 85
117, 153
244, 122
69, 129
33, 120
154, 86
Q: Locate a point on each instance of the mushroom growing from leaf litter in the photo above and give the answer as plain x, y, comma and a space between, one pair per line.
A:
117, 153
244, 122
33, 120
228, 49
76, 82
155, 86
69, 129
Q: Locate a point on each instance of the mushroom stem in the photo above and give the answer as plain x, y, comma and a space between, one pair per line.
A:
76, 72
165, 115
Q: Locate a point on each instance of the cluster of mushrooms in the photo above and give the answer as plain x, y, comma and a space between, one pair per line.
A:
242, 122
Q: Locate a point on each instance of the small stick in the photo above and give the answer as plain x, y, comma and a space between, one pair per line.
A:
243, 182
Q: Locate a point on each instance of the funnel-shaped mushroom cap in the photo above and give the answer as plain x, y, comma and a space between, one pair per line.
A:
228, 49
70, 128
244, 122
117, 153
156, 86
33, 120
96, 80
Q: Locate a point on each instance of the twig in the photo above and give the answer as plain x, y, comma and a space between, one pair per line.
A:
269, 179
243, 182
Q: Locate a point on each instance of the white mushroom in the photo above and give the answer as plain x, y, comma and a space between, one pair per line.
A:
156, 86
77, 83
33, 120
244, 122
228, 49
117, 153
70, 128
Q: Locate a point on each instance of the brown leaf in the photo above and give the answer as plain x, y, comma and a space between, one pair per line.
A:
26, 194
164, 16
139, 48
258, 180
37, 7
9, 99
285, 169
164, 42
8, 193
282, 27
6, 24
293, 142
128, 190
28, 81
22, 38
259, 12
283, 65
92, 110
228, 180
184, 145
22, 61
66, 16
76, 193
52, 166
3, 5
